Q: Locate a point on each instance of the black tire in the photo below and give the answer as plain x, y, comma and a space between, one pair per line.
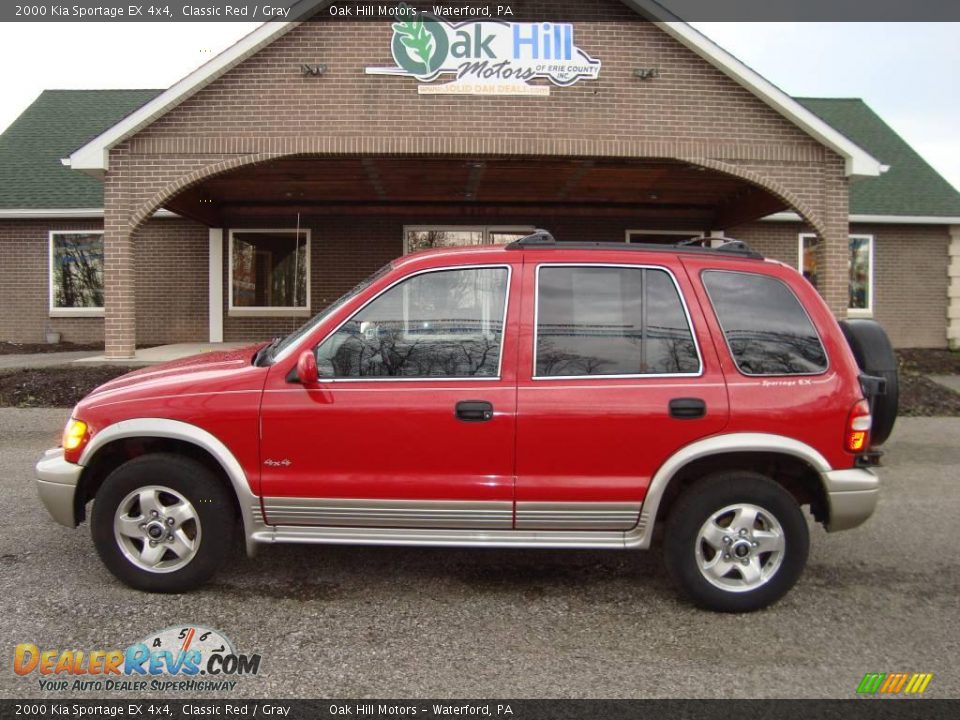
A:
703, 500
213, 507
874, 353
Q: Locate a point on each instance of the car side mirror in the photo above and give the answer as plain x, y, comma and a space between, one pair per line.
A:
307, 372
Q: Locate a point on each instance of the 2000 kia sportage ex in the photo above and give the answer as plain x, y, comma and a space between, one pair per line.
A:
543, 394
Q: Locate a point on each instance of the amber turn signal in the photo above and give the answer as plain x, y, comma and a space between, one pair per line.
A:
74, 434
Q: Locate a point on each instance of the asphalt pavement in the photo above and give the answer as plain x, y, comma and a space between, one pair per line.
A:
396, 622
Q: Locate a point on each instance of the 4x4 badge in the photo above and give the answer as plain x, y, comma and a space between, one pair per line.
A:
278, 463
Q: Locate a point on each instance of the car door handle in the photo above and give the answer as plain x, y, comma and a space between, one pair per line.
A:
474, 411
687, 408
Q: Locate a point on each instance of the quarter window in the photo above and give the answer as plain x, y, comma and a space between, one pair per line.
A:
443, 324
269, 270
76, 272
596, 320
767, 329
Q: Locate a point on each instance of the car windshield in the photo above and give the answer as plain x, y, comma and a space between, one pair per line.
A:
278, 347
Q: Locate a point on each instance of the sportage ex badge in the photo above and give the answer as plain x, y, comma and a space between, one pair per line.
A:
490, 57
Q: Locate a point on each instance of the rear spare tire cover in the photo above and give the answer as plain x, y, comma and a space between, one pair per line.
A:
874, 353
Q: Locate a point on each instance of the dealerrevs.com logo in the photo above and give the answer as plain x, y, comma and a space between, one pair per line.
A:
187, 658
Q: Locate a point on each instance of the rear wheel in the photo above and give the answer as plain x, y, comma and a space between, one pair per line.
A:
162, 523
736, 542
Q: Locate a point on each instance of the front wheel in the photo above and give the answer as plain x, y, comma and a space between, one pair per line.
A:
162, 523
736, 542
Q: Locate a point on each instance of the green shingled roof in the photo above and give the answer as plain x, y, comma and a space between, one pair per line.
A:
57, 123
909, 187
60, 121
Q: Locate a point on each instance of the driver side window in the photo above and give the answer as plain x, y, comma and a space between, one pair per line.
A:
443, 324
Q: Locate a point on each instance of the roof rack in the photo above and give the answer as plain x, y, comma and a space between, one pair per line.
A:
544, 240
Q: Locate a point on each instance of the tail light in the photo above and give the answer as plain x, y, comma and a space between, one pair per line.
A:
858, 428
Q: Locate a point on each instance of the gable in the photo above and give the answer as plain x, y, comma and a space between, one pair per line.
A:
701, 93
910, 187
54, 125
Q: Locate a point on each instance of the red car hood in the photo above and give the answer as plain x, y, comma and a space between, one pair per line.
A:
183, 373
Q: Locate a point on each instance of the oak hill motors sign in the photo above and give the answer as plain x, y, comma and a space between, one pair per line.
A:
489, 57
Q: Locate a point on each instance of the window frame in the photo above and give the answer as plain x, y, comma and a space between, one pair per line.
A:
484, 230
866, 312
52, 309
726, 339
634, 376
503, 335
267, 311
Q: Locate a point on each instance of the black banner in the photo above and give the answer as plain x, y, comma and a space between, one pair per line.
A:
854, 709
473, 10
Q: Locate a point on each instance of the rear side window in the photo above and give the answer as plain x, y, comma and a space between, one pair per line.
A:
767, 329
599, 320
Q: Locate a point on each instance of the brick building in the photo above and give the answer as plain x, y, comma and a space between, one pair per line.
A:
246, 197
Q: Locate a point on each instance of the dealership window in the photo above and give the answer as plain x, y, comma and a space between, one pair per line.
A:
269, 271
859, 264
438, 324
423, 237
608, 320
662, 237
76, 273
766, 328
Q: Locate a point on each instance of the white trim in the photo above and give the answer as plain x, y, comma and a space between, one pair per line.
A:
851, 312
52, 310
858, 161
258, 311
94, 158
215, 282
691, 233
904, 219
66, 213
484, 230
874, 219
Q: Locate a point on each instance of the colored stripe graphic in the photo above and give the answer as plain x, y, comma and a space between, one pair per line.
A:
894, 683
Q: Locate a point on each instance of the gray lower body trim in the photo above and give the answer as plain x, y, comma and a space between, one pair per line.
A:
389, 513
571, 539
852, 496
577, 515
57, 484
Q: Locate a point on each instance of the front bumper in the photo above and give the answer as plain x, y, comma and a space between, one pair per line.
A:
57, 484
852, 496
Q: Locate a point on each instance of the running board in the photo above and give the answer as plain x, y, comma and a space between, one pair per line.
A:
635, 538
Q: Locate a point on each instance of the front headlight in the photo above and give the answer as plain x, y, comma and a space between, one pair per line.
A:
74, 434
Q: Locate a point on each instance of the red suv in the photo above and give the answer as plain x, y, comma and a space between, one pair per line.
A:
539, 395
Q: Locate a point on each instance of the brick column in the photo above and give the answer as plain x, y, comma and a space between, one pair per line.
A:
953, 289
834, 249
119, 279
